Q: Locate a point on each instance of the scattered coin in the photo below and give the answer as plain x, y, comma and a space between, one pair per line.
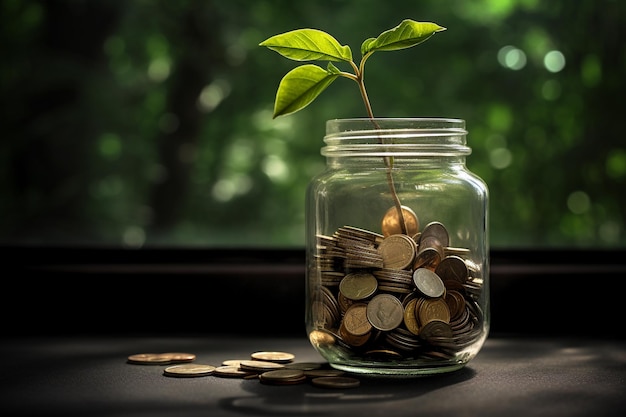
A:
180, 357
315, 373
278, 357
335, 382
232, 362
231, 371
304, 366
259, 366
283, 377
160, 358
189, 370
149, 359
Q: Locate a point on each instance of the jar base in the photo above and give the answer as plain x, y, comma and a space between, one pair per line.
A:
380, 370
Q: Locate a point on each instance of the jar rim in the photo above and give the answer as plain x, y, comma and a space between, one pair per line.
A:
423, 124
408, 137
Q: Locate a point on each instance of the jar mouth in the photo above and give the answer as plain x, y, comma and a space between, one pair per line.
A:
395, 137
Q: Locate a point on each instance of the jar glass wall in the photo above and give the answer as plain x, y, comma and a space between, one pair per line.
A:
397, 248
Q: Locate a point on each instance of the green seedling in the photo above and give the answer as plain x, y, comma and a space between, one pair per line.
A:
303, 84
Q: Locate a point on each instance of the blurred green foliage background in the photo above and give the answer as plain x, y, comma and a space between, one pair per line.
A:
148, 123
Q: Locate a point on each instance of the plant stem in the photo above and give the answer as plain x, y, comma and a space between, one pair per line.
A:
388, 160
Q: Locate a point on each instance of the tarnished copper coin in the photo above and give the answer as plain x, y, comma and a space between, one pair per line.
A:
283, 377
437, 230
453, 268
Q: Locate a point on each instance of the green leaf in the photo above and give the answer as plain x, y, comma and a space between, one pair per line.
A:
308, 45
407, 34
300, 86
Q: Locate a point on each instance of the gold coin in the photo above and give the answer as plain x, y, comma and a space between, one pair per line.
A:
355, 320
321, 338
189, 370
410, 318
231, 371
433, 309
259, 366
353, 339
390, 224
278, 357
177, 357
335, 382
232, 362
149, 359
398, 251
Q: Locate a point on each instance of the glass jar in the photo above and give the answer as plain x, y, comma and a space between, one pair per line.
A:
397, 248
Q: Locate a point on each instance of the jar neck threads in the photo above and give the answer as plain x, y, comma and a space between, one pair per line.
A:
395, 137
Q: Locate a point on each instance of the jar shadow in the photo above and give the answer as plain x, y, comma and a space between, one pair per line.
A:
307, 399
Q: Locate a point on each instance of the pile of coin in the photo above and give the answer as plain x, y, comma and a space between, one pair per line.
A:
269, 367
400, 294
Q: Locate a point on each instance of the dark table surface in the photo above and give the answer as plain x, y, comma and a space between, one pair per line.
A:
513, 375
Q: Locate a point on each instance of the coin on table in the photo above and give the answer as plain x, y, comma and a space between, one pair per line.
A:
315, 373
391, 224
283, 377
259, 366
149, 359
278, 357
385, 312
335, 382
178, 357
189, 370
304, 366
232, 362
232, 371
